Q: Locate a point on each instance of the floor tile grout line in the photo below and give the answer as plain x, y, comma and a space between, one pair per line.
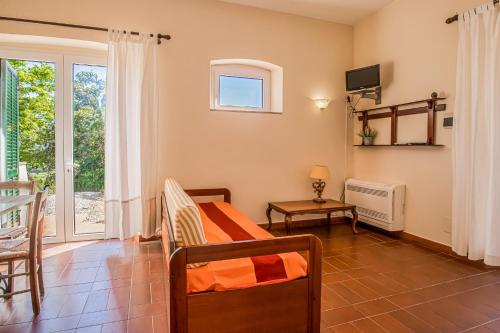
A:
152, 323
414, 316
88, 297
131, 284
368, 287
437, 284
360, 319
350, 247
65, 295
371, 265
484, 324
149, 285
353, 291
410, 290
443, 297
368, 316
379, 314
392, 280
340, 259
342, 324
336, 293
422, 320
81, 315
415, 290
405, 309
376, 323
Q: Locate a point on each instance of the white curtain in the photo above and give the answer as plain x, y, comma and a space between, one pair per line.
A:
131, 136
476, 138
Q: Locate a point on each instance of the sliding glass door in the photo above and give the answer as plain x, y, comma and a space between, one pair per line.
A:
60, 133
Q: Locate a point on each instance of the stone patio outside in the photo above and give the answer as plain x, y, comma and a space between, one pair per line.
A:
89, 213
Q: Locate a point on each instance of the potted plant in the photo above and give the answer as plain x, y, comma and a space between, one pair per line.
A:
368, 134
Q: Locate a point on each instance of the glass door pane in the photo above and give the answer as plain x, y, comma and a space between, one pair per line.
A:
88, 107
55, 132
36, 132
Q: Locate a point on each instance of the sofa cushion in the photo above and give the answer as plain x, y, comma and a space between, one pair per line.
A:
184, 216
223, 224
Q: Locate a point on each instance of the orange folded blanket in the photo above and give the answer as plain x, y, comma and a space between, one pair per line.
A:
222, 223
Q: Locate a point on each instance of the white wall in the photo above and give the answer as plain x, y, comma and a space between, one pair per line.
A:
260, 157
417, 51
266, 157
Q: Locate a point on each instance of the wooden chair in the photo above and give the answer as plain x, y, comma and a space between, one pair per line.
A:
30, 186
15, 232
29, 249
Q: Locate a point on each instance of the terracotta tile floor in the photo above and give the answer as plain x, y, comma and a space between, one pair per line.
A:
102, 286
371, 283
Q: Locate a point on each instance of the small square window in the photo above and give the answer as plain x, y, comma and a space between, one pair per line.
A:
241, 92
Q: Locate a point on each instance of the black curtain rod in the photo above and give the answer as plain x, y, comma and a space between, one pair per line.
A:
78, 26
452, 19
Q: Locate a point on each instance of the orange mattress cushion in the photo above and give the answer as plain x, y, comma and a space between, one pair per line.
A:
222, 223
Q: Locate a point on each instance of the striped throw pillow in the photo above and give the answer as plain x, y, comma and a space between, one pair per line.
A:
184, 217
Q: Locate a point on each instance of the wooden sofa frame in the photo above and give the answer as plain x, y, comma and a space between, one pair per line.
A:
291, 306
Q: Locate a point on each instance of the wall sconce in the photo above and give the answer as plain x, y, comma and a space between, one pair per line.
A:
322, 103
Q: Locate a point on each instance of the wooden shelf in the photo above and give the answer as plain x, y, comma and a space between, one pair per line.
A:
401, 145
403, 104
432, 106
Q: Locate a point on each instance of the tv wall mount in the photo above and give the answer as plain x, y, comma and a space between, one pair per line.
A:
373, 93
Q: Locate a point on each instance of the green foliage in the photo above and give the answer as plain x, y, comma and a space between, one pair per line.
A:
37, 119
37, 125
88, 132
368, 132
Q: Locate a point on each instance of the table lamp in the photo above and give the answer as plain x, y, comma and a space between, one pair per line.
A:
320, 173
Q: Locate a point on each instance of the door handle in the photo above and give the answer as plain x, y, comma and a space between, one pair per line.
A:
69, 166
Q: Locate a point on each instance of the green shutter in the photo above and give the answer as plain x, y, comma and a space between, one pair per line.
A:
9, 108
10, 121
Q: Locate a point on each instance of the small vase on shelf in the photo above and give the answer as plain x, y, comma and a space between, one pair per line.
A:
368, 140
368, 134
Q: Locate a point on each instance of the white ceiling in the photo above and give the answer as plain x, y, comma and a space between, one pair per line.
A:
340, 11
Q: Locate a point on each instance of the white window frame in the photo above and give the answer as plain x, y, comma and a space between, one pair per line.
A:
63, 62
69, 207
58, 60
241, 71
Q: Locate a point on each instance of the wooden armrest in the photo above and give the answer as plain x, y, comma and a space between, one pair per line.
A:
250, 248
207, 192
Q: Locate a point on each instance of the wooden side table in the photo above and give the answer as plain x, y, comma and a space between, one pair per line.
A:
291, 208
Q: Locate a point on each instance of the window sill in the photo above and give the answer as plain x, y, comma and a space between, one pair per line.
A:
244, 111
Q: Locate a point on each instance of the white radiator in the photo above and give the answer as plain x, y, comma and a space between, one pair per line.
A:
378, 204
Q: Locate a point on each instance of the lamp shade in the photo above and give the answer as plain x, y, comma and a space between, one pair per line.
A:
320, 172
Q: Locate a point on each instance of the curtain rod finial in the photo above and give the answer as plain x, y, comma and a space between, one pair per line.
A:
452, 19
167, 37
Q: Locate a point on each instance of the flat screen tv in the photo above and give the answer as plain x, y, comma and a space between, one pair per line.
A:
363, 78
